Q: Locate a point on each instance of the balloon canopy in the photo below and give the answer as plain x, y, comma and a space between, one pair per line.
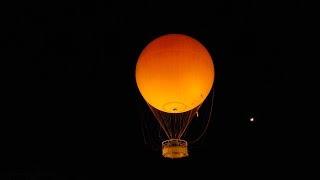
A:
174, 73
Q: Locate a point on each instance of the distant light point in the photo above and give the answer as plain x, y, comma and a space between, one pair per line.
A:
251, 119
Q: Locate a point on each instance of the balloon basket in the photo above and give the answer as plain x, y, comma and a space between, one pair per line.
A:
174, 148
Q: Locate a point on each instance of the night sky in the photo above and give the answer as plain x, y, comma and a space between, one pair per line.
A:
74, 109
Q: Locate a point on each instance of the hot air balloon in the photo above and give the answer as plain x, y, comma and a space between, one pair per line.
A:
174, 74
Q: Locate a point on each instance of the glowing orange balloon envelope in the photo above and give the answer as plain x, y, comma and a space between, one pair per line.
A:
174, 74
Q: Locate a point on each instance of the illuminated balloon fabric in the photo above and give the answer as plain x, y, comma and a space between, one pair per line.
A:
174, 73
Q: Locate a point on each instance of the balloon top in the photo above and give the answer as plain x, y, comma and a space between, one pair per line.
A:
174, 73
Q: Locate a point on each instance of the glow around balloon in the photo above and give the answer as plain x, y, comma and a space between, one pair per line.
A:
174, 73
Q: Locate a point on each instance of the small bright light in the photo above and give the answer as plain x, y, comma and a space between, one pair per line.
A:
251, 119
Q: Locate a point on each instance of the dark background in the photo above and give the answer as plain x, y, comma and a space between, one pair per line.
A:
73, 108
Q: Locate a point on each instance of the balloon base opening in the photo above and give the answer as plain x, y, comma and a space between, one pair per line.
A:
174, 148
